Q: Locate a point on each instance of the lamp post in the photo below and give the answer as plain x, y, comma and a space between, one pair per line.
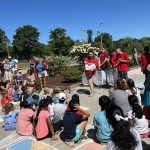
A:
82, 31
101, 34
7, 46
112, 45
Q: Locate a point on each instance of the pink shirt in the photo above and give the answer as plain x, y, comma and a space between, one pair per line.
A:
42, 127
24, 125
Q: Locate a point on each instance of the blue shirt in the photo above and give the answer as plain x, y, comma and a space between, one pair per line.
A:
10, 121
104, 129
16, 95
12, 63
39, 67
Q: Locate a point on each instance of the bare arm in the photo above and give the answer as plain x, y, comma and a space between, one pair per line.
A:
86, 114
50, 126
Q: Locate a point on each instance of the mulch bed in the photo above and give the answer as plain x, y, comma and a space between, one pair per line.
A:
55, 82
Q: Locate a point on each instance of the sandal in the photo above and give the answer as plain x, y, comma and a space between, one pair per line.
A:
69, 143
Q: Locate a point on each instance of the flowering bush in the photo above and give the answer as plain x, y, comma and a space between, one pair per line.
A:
57, 64
81, 51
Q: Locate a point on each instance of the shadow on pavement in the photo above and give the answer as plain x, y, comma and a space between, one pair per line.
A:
83, 91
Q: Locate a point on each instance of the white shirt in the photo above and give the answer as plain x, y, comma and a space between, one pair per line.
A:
111, 145
141, 125
138, 95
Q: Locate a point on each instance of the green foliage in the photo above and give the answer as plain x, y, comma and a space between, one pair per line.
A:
57, 64
106, 40
72, 75
26, 41
3, 43
59, 43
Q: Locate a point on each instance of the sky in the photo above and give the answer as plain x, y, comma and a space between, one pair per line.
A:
120, 18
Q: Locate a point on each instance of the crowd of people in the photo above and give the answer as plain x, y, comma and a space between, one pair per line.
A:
122, 122
113, 62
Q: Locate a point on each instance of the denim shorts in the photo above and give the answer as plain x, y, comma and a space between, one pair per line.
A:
78, 134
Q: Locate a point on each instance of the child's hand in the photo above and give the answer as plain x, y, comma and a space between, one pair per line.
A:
54, 138
77, 106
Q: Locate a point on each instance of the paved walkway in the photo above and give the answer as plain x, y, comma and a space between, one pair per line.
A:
12, 141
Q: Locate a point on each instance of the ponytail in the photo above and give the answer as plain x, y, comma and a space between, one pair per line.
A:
43, 103
137, 110
37, 115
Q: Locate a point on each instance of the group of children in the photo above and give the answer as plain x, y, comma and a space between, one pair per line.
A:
44, 114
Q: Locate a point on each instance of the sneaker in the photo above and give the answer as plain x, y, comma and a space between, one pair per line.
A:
91, 94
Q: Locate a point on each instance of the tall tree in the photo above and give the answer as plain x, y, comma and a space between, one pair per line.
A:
3, 43
59, 43
25, 41
105, 39
89, 36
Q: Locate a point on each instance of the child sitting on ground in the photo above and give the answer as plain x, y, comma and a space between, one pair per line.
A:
9, 117
16, 94
136, 115
25, 119
123, 136
74, 124
37, 100
23, 95
102, 127
10, 91
54, 94
5, 99
42, 123
132, 90
46, 92
51, 107
19, 77
30, 79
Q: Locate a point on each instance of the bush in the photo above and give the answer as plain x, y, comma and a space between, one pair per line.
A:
72, 75
57, 64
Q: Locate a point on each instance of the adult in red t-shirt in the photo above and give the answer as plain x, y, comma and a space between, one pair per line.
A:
90, 61
122, 66
112, 60
103, 55
145, 60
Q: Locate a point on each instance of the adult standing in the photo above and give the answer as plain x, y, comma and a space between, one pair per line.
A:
7, 70
145, 60
122, 59
134, 57
90, 68
102, 59
40, 70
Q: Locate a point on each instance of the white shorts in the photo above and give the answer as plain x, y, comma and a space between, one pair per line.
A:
8, 75
42, 74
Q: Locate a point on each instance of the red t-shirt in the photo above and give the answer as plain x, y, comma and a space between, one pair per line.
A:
77, 112
102, 56
122, 66
92, 61
5, 100
45, 63
145, 60
113, 61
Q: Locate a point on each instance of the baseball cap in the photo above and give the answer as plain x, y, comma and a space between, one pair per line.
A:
62, 96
